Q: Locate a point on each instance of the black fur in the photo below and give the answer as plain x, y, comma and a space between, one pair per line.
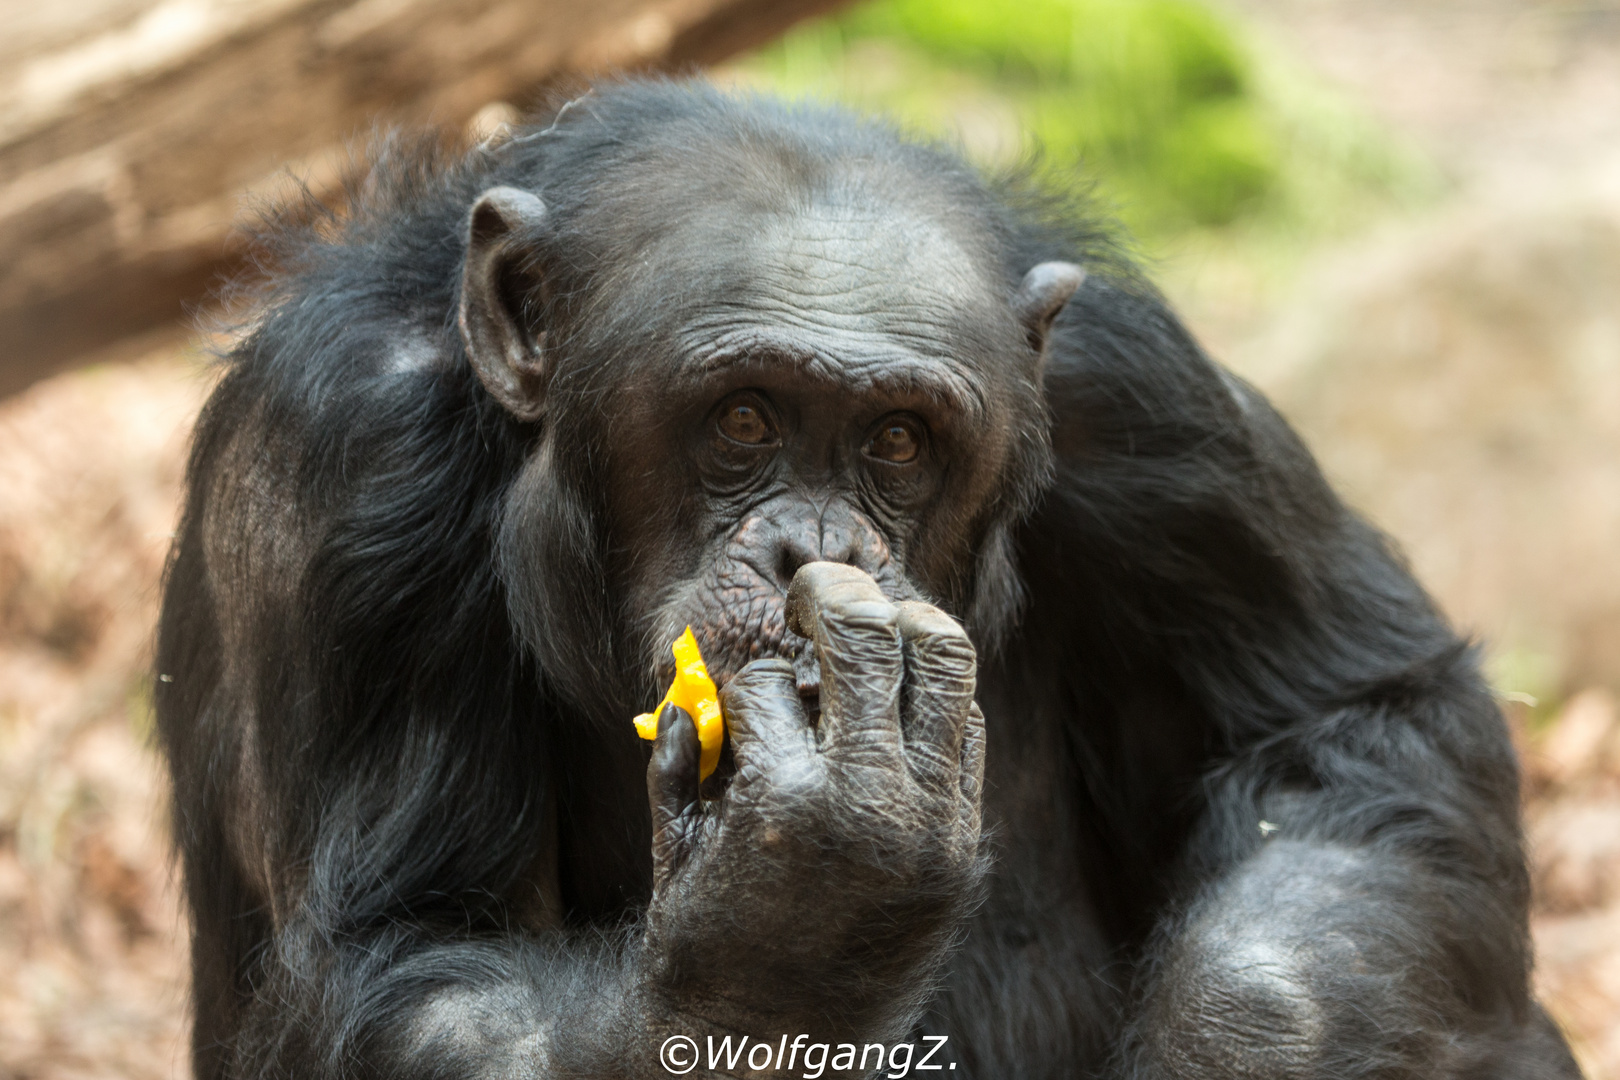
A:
396, 681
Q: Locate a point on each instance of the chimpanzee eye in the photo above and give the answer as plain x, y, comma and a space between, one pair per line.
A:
898, 440
744, 421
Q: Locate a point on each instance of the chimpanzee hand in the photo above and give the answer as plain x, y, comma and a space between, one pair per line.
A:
829, 878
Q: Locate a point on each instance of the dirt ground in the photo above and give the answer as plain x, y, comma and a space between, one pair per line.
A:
92, 957
92, 960
1457, 371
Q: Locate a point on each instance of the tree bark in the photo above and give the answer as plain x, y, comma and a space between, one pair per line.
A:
135, 133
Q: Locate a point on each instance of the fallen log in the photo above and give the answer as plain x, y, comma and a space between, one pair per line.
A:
134, 132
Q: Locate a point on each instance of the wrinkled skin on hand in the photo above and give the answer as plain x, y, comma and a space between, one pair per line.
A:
869, 820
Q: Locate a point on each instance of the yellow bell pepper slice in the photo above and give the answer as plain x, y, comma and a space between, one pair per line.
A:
693, 691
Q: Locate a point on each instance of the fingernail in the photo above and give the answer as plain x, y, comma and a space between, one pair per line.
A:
667, 716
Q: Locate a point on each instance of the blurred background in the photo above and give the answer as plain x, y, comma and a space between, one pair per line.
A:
1401, 218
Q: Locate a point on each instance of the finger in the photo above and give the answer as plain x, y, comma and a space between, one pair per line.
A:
809, 586
941, 672
765, 717
972, 770
672, 791
857, 640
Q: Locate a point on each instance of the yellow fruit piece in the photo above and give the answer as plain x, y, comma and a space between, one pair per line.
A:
693, 691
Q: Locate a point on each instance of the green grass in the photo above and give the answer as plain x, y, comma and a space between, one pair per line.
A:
1182, 119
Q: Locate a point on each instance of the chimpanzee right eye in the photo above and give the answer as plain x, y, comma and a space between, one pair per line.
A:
744, 420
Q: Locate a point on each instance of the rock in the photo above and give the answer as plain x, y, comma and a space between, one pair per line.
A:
1460, 382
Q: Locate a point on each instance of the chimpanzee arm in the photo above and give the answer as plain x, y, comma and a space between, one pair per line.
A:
404, 999
1348, 888
367, 782
1361, 902
361, 763
402, 1004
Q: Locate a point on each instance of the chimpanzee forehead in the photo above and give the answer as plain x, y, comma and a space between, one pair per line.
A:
857, 260
847, 275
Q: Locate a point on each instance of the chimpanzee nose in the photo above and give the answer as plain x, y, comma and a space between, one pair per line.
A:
797, 550
835, 535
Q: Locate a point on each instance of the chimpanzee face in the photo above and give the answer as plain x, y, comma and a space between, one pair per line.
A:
840, 383
758, 383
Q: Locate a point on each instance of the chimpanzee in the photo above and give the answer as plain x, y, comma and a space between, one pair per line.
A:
1075, 728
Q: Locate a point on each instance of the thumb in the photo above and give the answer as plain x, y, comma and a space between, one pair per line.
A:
672, 791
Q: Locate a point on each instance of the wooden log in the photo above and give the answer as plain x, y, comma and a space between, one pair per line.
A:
134, 133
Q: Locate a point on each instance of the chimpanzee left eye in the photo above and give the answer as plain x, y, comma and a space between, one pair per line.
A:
898, 440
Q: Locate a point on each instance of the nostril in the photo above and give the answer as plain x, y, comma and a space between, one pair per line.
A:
838, 546
790, 559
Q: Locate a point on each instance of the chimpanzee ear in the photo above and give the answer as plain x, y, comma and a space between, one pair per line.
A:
1042, 294
505, 353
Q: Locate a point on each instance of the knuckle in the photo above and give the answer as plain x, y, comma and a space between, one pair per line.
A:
863, 728
864, 628
759, 674
926, 620
753, 686
952, 648
860, 613
819, 585
947, 665
739, 698
931, 762
937, 642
